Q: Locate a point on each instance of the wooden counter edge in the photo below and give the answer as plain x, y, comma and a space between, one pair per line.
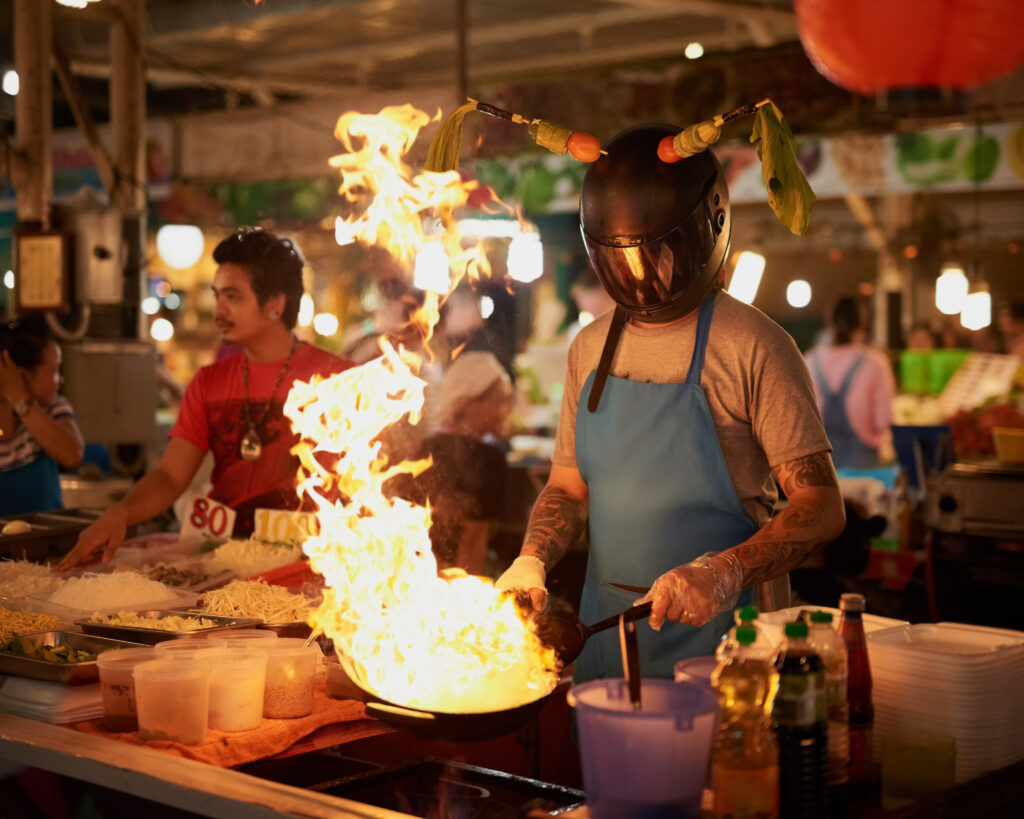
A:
171, 780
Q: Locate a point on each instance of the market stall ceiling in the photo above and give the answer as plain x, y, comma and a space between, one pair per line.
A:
273, 48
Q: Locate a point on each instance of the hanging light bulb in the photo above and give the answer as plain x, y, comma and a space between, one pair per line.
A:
430, 271
951, 290
525, 257
798, 293
977, 312
180, 246
746, 278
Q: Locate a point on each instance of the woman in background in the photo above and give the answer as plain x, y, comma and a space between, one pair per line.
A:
38, 433
854, 388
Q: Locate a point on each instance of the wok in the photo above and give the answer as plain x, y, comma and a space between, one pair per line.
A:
563, 631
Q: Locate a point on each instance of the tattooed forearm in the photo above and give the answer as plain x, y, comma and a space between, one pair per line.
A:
814, 516
556, 522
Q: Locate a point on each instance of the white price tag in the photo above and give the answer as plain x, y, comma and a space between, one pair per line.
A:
206, 518
283, 525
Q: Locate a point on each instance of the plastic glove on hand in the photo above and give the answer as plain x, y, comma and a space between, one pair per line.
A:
695, 592
526, 574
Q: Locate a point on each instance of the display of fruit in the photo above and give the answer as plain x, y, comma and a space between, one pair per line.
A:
972, 429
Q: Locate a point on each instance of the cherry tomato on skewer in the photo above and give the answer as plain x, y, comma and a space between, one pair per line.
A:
584, 147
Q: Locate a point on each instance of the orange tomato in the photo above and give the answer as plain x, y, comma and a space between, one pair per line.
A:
583, 146
667, 151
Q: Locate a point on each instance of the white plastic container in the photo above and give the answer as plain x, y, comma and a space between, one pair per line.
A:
237, 682
243, 636
117, 686
291, 674
191, 648
172, 699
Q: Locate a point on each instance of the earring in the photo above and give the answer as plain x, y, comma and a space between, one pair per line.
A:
274, 315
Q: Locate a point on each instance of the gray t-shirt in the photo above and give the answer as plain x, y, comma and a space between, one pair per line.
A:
757, 386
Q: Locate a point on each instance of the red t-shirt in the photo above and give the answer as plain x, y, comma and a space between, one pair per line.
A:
213, 418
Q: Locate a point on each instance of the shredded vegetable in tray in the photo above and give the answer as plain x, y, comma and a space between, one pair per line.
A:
248, 557
257, 599
25, 622
181, 622
21, 578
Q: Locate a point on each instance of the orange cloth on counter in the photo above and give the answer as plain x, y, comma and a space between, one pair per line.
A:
230, 749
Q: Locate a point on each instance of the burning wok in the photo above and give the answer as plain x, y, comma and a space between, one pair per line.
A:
563, 631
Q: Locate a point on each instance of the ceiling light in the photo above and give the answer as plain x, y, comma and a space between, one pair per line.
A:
950, 290
693, 51
11, 83
162, 330
525, 257
306, 310
325, 324
430, 271
151, 305
180, 246
977, 312
747, 276
798, 293
9, 279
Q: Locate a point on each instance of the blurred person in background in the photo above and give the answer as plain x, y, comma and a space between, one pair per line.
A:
38, 433
1011, 325
921, 338
854, 387
465, 486
397, 303
234, 407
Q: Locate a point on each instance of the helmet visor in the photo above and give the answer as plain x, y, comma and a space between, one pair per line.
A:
644, 276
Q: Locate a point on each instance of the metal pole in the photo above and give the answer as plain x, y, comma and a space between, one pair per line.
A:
34, 109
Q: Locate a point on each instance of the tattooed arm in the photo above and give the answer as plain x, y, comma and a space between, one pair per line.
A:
556, 522
697, 591
815, 514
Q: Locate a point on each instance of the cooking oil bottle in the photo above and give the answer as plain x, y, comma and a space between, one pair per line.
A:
745, 616
745, 757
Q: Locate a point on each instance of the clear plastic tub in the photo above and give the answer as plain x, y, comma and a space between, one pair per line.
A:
172, 699
237, 681
199, 649
242, 636
117, 686
291, 673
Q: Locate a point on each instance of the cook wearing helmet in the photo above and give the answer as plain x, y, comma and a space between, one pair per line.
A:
680, 408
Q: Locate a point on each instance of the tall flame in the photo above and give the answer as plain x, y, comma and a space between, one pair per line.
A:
448, 642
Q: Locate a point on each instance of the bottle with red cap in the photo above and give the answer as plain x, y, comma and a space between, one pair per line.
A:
858, 690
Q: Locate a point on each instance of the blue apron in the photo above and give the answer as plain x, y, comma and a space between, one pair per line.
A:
34, 487
847, 449
660, 496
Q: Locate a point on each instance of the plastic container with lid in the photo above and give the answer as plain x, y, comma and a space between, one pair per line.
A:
238, 636
117, 686
172, 699
237, 681
291, 674
191, 648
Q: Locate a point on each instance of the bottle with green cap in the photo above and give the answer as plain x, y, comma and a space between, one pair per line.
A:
745, 616
801, 728
745, 756
824, 639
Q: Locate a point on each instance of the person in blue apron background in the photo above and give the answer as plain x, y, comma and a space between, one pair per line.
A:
681, 410
854, 387
38, 432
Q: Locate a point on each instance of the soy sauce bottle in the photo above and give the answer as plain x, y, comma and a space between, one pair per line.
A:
863, 772
801, 728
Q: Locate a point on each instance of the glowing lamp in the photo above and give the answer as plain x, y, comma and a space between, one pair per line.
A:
746, 278
180, 246
525, 257
798, 293
430, 271
950, 291
977, 312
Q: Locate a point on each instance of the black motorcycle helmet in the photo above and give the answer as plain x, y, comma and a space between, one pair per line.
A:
657, 233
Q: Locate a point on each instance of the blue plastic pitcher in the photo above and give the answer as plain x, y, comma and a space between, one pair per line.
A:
650, 764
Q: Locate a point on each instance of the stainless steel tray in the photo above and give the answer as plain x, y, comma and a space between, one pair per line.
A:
152, 636
67, 673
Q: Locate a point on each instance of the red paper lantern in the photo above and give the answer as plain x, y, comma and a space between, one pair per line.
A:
868, 46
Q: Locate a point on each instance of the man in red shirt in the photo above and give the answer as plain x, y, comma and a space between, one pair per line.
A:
233, 407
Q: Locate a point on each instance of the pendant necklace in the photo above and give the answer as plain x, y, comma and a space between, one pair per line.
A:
252, 447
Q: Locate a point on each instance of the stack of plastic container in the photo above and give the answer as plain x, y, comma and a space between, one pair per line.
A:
953, 679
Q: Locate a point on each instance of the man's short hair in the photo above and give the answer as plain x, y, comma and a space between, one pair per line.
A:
274, 265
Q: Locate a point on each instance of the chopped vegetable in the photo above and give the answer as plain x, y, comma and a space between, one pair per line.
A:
21, 646
257, 599
172, 622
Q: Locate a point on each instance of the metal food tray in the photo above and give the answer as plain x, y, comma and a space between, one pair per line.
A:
67, 673
152, 636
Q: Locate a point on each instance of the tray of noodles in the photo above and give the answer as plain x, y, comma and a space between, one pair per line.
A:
156, 625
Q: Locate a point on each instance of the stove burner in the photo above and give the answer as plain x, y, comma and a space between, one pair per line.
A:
434, 788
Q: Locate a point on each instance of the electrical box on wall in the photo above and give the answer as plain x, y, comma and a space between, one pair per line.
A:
99, 256
113, 387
